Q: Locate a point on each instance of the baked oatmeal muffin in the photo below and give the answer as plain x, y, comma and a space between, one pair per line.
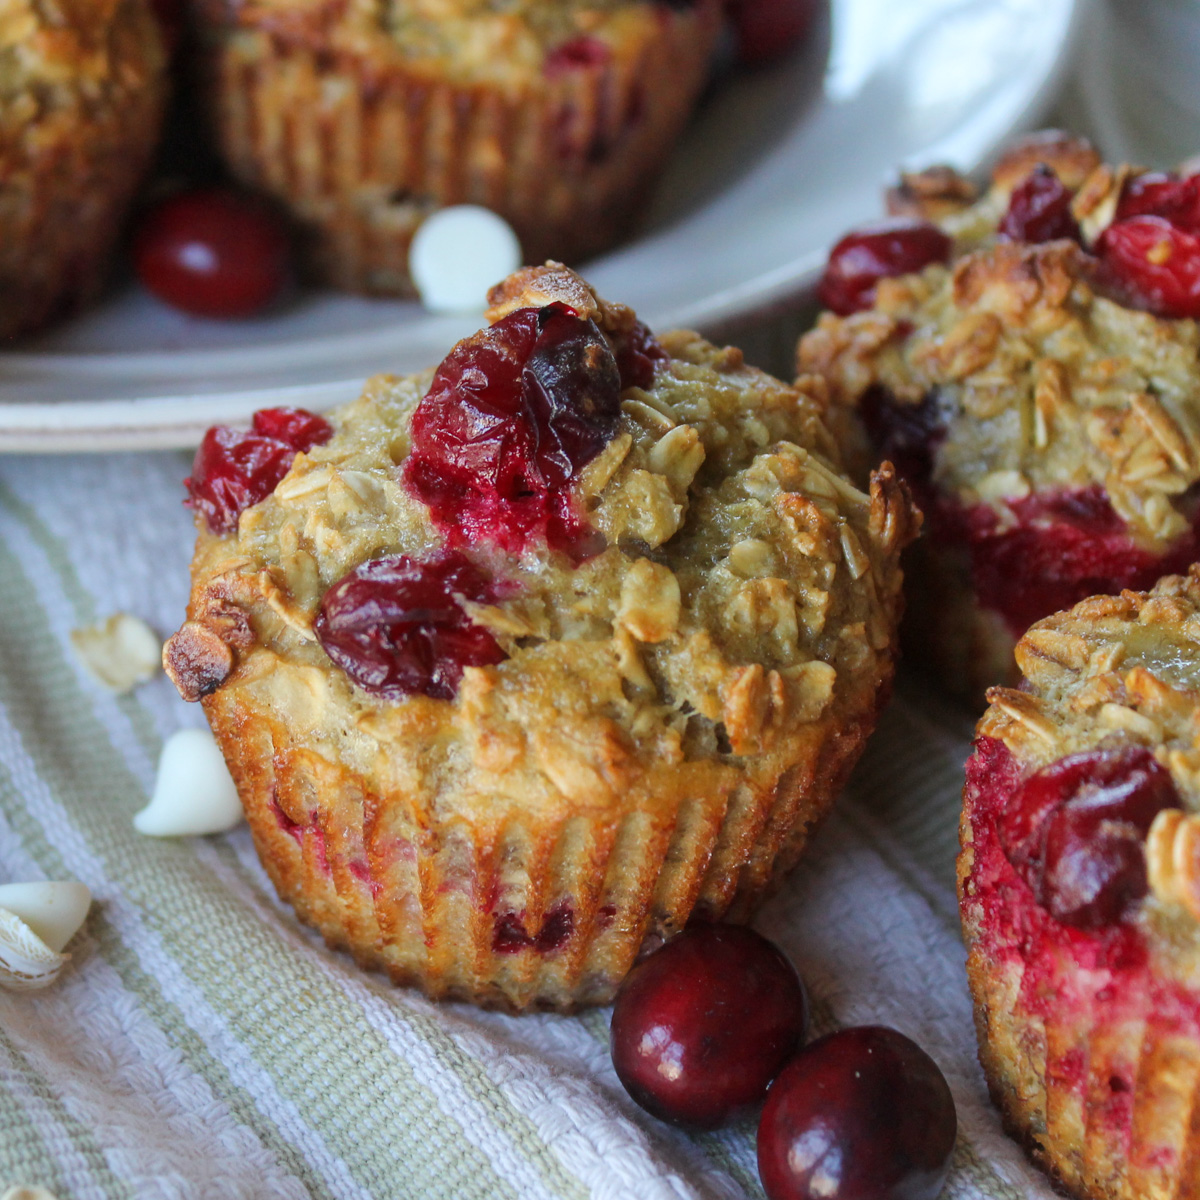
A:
82, 90
1035, 382
362, 119
525, 660
1079, 881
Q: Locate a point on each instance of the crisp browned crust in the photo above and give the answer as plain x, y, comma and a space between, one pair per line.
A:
674, 716
361, 139
82, 91
1111, 671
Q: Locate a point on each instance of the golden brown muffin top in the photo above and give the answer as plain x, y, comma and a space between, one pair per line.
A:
747, 594
505, 43
1114, 671
1041, 382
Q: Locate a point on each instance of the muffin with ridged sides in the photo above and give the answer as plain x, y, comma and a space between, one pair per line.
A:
82, 90
364, 118
1079, 883
1028, 359
522, 662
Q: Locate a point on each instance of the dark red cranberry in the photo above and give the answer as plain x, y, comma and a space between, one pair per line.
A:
396, 627
513, 414
1155, 264
638, 357
509, 935
861, 259
1064, 547
1075, 831
235, 468
1155, 194
862, 1114
1039, 210
578, 54
212, 253
767, 30
703, 1024
906, 435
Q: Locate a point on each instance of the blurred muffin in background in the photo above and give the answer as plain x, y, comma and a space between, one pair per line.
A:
82, 90
363, 118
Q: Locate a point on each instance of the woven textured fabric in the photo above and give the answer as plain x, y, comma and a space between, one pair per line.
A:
201, 1043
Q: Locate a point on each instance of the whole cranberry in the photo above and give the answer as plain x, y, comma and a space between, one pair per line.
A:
861, 259
1155, 263
511, 418
235, 468
1075, 832
861, 1114
767, 30
702, 1025
212, 252
1039, 209
397, 627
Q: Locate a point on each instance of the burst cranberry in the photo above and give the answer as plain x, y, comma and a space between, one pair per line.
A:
1155, 264
235, 468
701, 1027
396, 626
212, 253
770, 29
1039, 210
1064, 547
638, 356
1075, 830
861, 259
1159, 195
512, 416
862, 1114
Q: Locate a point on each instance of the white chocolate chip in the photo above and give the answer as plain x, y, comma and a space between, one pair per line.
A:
120, 653
54, 911
26, 962
194, 792
457, 254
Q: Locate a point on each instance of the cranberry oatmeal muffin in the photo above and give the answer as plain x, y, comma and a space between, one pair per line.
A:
1079, 883
1029, 361
363, 119
82, 91
524, 660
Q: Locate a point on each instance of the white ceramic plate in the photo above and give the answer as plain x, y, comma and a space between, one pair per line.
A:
776, 165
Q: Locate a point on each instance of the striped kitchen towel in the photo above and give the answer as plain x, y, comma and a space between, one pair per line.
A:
201, 1043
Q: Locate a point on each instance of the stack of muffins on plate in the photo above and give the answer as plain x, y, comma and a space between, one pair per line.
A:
356, 121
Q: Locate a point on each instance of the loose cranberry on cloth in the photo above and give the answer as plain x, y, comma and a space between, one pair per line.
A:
702, 1026
235, 468
861, 1114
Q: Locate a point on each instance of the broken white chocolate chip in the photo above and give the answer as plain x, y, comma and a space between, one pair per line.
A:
193, 793
54, 911
26, 962
120, 653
